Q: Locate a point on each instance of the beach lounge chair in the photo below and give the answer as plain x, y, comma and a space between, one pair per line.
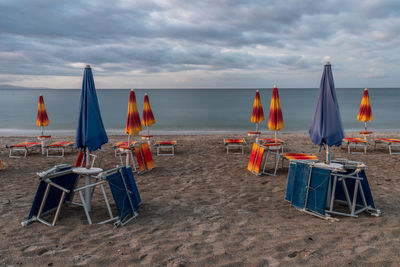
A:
23, 146
231, 143
314, 188
125, 193
272, 140
355, 142
118, 145
390, 142
144, 160
55, 188
298, 156
272, 149
166, 148
59, 147
256, 157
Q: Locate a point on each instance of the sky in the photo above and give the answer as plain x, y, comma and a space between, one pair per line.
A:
199, 44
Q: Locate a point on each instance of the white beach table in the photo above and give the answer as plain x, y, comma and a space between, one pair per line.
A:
87, 172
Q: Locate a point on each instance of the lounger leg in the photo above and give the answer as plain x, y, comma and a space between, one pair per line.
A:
276, 161
46, 193
106, 200
353, 206
346, 193
84, 207
333, 193
58, 208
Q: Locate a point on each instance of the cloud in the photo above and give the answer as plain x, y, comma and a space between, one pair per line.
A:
174, 41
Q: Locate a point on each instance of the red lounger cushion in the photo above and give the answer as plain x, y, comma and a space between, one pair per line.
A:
230, 141
25, 144
60, 144
354, 140
166, 143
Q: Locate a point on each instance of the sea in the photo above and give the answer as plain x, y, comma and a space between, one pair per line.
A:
192, 111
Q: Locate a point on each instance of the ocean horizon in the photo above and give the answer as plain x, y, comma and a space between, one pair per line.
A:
192, 111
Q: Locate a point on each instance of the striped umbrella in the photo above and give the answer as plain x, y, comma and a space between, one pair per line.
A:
148, 117
365, 113
275, 121
258, 114
42, 119
133, 125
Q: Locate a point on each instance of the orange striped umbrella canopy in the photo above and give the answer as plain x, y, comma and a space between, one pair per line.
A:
275, 121
148, 117
42, 119
258, 114
133, 125
365, 113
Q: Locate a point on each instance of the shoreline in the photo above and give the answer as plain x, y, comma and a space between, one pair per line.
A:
116, 132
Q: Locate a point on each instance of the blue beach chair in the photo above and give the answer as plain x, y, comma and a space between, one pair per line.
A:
125, 193
56, 187
313, 188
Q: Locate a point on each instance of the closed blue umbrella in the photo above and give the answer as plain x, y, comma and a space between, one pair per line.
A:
326, 128
90, 132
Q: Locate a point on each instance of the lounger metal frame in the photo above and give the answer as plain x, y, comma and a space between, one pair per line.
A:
235, 145
390, 145
355, 145
21, 148
163, 147
58, 148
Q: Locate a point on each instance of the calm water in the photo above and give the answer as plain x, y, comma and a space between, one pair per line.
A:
192, 111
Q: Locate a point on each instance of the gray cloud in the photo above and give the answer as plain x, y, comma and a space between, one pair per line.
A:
49, 38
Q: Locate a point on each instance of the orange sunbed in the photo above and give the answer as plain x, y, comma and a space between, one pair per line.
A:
234, 143
299, 156
391, 142
23, 146
168, 145
256, 157
355, 142
59, 146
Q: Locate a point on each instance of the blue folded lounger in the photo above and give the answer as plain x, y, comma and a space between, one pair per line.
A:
315, 190
55, 188
125, 193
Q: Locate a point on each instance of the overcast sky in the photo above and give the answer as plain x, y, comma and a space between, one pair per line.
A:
199, 44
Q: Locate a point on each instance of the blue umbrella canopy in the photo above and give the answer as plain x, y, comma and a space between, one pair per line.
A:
90, 132
326, 127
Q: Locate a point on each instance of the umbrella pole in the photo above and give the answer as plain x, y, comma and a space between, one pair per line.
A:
148, 130
276, 134
365, 126
87, 158
128, 152
256, 127
42, 140
328, 156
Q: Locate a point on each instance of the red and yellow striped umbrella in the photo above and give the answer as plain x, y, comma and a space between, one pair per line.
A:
258, 114
133, 125
148, 117
365, 113
42, 119
275, 121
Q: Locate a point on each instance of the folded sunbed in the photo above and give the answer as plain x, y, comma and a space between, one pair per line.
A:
355, 142
59, 147
166, 148
118, 145
23, 146
55, 188
232, 143
390, 142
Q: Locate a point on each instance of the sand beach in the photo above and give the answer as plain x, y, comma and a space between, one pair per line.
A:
202, 207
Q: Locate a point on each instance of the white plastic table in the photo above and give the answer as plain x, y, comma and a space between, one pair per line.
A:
87, 172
